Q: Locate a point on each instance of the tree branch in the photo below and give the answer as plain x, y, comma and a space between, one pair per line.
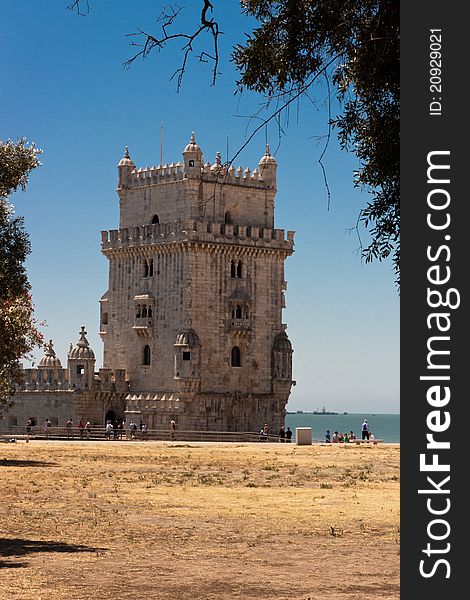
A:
168, 17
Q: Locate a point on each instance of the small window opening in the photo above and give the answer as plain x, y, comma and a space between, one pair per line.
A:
146, 269
239, 268
149, 312
232, 268
238, 312
151, 267
236, 357
155, 219
105, 318
191, 163
80, 370
186, 355
146, 356
138, 312
228, 218
144, 312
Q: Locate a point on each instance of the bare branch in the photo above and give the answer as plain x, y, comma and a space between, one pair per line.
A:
75, 6
327, 143
167, 18
293, 96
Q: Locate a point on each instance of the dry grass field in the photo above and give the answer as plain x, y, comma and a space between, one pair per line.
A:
160, 521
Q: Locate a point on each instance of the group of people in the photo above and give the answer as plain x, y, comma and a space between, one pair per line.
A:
84, 429
284, 435
339, 438
113, 429
347, 437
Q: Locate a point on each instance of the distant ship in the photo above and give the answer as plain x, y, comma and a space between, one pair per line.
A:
323, 411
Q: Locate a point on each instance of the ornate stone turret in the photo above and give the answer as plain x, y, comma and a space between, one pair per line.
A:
193, 159
268, 168
49, 360
81, 363
217, 166
187, 361
50, 374
282, 358
125, 168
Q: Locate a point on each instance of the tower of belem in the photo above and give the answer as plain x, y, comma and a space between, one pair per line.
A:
193, 311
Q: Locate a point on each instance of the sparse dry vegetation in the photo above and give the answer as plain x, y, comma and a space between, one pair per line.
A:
183, 521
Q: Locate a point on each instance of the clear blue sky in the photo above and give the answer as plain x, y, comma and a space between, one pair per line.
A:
64, 87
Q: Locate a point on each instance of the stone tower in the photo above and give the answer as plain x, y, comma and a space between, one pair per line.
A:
193, 312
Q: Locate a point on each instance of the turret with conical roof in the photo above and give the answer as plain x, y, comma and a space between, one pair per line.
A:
125, 167
193, 159
268, 168
81, 363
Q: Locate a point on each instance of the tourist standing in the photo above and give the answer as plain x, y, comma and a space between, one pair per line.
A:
365, 430
47, 426
133, 428
29, 426
282, 435
88, 429
81, 428
172, 429
69, 426
108, 429
288, 435
265, 432
328, 436
144, 430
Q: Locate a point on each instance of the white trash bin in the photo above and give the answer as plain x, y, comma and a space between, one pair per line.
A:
303, 436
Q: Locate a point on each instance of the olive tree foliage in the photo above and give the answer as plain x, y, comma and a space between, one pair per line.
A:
19, 332
291, 49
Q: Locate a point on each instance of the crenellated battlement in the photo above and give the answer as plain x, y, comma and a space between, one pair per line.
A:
45, 380
263, 176
197, 231
208, 174
57, 379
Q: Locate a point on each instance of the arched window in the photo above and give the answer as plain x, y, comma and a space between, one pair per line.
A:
138, 312
155, 219
149, 312
144, 312
146, 355
228, 218
239, 268
151, 267
238, 312
236, 358
232, 268
146, 269
104, 320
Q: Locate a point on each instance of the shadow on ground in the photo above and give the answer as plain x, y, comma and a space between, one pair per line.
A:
8, 462
18, 547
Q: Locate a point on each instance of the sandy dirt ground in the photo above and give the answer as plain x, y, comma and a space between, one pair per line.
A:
133, 520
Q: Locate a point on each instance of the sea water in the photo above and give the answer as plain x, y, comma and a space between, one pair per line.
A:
384, 426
